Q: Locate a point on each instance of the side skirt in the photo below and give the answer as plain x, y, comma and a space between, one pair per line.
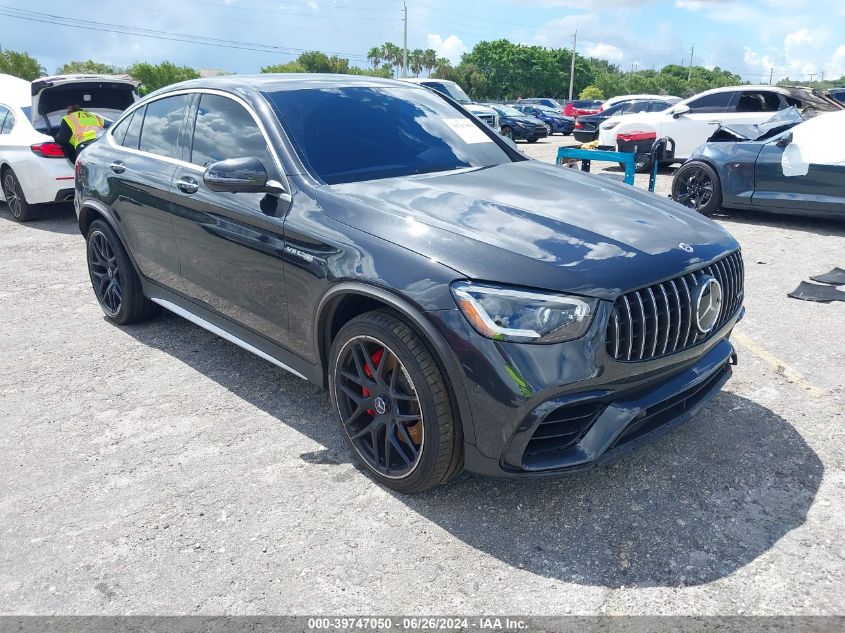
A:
234, 333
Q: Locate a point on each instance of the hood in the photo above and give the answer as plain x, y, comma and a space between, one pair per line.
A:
533, 224
105, 95
525, 119
780, 122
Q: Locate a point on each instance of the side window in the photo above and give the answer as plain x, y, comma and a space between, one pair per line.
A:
4, 112
717, 102
162, 122
758, 101
658, 106
224, 129
118, 131
133, 130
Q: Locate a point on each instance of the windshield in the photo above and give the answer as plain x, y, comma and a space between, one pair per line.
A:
366, 133
507, 110
449, 89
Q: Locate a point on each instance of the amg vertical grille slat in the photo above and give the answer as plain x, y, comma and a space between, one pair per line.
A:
688, 318
680, 314
668, 319
643, 324
656, 325
660, 319
630, 326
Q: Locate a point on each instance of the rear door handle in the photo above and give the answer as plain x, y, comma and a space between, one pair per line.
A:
187, 185
118, 167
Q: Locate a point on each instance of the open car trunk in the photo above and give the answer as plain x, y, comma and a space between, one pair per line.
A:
104, 95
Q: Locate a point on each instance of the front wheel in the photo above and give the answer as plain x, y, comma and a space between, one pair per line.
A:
392, 404
116, 284
549, 130
20, 209
696, 186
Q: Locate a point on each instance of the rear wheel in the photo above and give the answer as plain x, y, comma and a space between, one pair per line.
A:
696, 185
116, 284
392, 404
20, 209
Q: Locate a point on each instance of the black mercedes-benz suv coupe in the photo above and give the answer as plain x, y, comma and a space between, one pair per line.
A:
464, 306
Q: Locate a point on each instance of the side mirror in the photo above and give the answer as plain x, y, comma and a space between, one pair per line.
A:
784, 140
238, 175
679, 110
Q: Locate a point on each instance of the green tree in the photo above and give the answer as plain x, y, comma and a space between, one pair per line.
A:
415, 61
375, 55
88, 67
20, 65
591, 92
155, 76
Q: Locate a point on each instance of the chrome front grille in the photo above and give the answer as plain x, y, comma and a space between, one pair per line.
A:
658, 320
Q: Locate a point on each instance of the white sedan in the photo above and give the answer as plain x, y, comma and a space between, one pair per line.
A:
33, 168
691, 122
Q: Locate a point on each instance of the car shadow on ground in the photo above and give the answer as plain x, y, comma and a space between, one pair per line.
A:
55, 218
694, 507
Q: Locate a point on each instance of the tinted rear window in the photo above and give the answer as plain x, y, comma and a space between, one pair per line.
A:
365, 133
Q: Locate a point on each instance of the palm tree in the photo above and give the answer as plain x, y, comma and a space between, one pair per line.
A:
392, 54
441, 67
429, 60
375, 55
415, 61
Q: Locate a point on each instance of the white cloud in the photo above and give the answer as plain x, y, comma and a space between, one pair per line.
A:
451, 48
605, 51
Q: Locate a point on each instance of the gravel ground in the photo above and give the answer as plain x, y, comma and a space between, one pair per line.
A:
157, 469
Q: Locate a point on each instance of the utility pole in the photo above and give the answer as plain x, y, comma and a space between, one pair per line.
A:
821, 78
811, 77
691, 53
572, 66
405, 47
771, 75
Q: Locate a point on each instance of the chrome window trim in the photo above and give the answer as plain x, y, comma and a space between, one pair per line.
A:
187, 164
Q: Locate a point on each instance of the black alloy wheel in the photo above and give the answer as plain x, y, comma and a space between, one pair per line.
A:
696, 186
379, 407
115, 282
392, 403
105, 273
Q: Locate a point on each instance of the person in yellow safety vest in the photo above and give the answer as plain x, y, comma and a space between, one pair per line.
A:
78, 128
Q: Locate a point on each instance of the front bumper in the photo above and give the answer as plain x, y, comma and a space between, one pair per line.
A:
513, 389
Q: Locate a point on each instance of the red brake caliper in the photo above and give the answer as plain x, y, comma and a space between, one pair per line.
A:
376, 358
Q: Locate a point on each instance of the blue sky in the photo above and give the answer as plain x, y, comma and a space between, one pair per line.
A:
795, 37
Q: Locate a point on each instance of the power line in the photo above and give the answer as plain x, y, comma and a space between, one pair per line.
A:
46, 18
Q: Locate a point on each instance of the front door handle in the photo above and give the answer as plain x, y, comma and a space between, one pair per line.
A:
187, 185
118, 167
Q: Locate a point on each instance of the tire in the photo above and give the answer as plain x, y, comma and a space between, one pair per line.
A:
113, 278
533, 140
380, 369
21, 210
696, 185
508, 132
549, 130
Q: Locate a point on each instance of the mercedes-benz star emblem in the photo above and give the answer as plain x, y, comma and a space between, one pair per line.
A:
708, 304
380, 405
685, 247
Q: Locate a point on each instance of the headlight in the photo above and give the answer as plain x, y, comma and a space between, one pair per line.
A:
505, 314
609, 125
